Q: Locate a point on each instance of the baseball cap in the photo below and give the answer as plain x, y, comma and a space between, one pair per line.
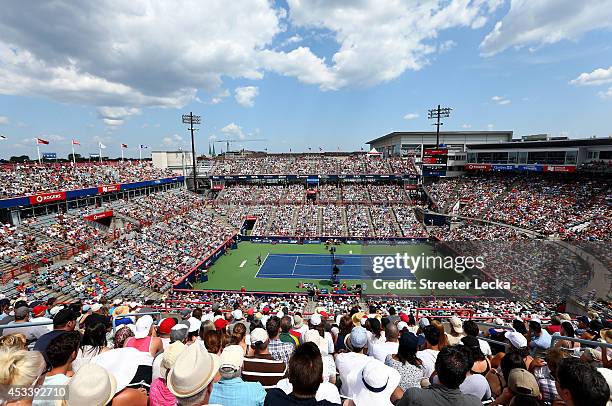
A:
194, 324
259, 335
185, 312
358, 337
95, 307
315, 319
232, 357
522, 382
22, 312
237, 314
534, 318
166, 325
456, 324
143, 326
221, 323
39, 310
404, 317
409, 341
424, 322
516, 339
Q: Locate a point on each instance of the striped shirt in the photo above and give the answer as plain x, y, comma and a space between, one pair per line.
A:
263, 369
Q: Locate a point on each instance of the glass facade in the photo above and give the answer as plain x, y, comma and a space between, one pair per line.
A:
524, 157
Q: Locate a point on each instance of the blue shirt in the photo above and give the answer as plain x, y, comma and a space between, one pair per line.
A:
541, 343
236, 392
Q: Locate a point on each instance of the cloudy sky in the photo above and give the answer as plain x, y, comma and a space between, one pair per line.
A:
298, 73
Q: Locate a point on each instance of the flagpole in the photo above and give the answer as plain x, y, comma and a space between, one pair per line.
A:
140, 153
38, 152
122, 153
100, 151
73, 160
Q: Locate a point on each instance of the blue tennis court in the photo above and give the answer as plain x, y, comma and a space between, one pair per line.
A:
316, 266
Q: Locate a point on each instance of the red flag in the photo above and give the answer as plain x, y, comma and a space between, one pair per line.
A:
41, 141
75, 142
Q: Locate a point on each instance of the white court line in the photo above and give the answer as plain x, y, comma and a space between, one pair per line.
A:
294, 265
262, 264
242, 263
323, 256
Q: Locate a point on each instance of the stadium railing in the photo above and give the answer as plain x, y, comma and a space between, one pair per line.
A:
579, 340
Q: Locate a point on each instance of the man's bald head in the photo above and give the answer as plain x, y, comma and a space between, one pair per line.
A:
391, 332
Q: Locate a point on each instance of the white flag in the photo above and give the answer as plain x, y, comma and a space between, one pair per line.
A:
102, 146
2, 137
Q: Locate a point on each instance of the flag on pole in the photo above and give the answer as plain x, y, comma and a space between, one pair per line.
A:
75, 142
142, 146
41, 141
102, 146
124, 145
2, 137
320, 149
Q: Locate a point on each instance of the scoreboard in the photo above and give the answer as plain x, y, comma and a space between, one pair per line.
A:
434, 162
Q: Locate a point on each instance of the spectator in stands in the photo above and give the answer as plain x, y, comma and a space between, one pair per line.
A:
456, 331
299, 328
580, 384
285, 335
62, 350
374, 384
261, 367
278, 349
5, 305
159, 392
305, 376
475, 382
164, 329
145, 337
329, 366
231, 390
443, 342
380, 351
214, 341
545, 373
356, 358
15, 341
93, 341
429, 355
93, 385
518, 344
22, 315
121, 336
522, 390
345, 326
452, 366
21, 368
191, 378
65, 319
405, 361
238, 337
538, 339
471, 329
567, 330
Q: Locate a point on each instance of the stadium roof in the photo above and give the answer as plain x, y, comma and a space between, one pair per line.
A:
442, 133
584, 142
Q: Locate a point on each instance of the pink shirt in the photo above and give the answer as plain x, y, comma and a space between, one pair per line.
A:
160, 395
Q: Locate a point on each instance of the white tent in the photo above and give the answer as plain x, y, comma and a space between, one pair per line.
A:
374, 152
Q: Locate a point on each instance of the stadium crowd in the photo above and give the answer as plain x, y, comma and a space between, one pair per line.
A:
312, 164
27, 179
574, 208
233, 349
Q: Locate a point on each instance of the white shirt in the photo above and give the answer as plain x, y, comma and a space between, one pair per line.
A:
326, 391
380, 351
347, 362
428, 357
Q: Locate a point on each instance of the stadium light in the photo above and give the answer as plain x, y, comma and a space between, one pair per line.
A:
193, 120
437, 114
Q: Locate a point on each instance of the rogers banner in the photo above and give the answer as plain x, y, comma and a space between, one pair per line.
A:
47, 197
477, 167
109, 188
560, 168
435, 151
98, 216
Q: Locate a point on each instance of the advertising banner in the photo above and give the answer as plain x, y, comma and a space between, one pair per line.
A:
47, 197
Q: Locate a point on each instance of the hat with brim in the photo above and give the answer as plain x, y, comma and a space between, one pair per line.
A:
373, 384
170, 355
122, 363
356, 319
92, 385
193, 370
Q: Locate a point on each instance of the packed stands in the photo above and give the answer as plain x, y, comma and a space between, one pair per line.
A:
27, 179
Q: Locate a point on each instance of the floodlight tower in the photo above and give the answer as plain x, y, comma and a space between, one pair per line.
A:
191, 120
437, 114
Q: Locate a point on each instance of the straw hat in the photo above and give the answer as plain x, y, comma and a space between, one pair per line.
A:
193, 370
92, 385
170, 355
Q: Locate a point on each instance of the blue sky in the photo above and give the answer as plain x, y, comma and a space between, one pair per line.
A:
299, 74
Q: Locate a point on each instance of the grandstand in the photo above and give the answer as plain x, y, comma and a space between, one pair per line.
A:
263, 239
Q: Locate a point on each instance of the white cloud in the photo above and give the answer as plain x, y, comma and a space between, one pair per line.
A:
501, 100
115, 116
544, 22
411, 116
378, 41
172, 140
490, 127
234, 130
53, 137
446, 46
4, 120
218, 98
466, 126
606, 94
599, 76
245, 96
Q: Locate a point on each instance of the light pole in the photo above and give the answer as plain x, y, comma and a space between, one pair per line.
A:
191, 120
438, 113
